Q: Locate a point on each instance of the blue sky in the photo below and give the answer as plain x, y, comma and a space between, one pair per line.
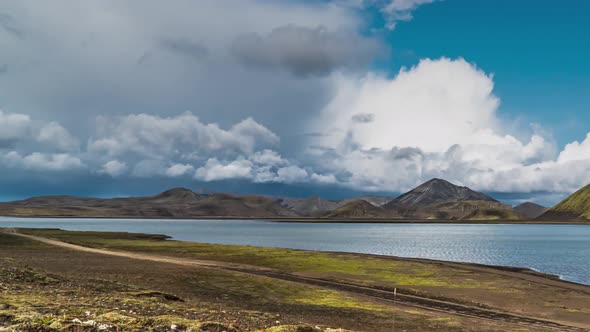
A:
537, 50
336, 97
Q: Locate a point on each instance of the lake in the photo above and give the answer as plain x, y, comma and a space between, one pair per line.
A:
563, 250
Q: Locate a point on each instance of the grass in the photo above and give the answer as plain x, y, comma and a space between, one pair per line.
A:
577, 204
270, 295
33, 301
369, 270
84, 292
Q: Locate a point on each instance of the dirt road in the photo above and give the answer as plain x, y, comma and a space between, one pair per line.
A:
402, 297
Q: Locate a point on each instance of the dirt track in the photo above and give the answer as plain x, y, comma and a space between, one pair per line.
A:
403, 297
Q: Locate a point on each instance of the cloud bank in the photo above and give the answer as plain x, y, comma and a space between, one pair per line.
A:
292, 93
437, 119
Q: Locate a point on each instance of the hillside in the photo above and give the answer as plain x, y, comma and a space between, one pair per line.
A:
530, 210
174, 203
576, 206
314, 205
475, 210
435, 199
359, 209
437, 191
442, 200
374, 200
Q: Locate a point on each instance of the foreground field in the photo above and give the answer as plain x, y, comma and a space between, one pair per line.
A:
120, 281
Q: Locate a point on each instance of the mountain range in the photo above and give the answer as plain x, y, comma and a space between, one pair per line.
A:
436, 199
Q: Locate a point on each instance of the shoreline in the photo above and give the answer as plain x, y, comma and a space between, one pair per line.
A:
312, 220
519, 270
253, 286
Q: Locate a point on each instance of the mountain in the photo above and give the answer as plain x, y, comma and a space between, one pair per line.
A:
312, 206
441, 200
317, 206
177, 195
530, 210
473, 210
576, 206
359, 209
437, 191
174, 203
435, 199
460, 210
374, 200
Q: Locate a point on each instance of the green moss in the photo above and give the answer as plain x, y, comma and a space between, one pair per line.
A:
344, 266
295, 328
335, 299
578, 204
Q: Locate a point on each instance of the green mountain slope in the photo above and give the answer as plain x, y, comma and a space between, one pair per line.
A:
576, 206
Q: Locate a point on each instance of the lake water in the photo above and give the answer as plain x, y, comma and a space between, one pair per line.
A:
557, 249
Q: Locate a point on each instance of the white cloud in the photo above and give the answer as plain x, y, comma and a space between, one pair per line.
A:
215, 170
434, 105
291, 174
38, 161
56, 135
179, 170
437, 119
114, 168
268, 157
401, 10
160, 137
13, 127
263, 167
576, 151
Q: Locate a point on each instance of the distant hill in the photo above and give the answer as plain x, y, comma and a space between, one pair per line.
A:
437, 191
359, 209
461, 210
174, 203
530, 210
374, 200
435, 199
576, 206
314, 206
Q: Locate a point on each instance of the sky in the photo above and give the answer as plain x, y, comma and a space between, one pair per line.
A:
294, 97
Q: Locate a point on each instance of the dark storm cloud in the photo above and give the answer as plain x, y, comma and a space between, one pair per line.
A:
10, 25
305, 51
185, 47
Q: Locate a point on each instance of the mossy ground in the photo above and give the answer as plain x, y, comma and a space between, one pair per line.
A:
367, 269
577, 204
424, 277
47, 288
